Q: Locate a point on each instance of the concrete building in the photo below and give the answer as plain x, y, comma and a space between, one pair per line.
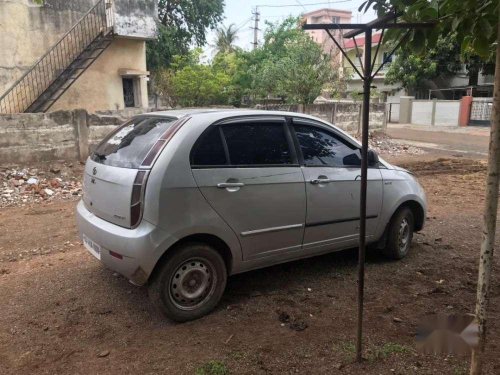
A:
387, 92
321, 37
62, 54
354, 83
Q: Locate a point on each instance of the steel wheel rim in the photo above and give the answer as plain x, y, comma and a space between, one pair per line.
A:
192, 284
404, 235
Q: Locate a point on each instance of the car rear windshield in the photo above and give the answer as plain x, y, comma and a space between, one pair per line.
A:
127, 146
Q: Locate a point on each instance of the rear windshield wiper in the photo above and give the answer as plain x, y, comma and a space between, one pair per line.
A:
99, 156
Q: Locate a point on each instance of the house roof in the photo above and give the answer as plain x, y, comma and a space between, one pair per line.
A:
349, 43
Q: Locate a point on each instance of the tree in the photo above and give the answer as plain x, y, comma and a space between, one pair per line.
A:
225, 38
477, 25
189, 83
415, 70
289, 64
182, 24
434, 65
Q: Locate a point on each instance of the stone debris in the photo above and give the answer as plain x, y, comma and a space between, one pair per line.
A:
382, 144
24, 186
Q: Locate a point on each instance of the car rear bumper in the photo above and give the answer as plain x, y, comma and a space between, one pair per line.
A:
137, 247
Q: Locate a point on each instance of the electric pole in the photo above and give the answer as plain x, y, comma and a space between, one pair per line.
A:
256, 19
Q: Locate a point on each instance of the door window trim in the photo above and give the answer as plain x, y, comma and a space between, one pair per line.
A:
316, 124
244, 120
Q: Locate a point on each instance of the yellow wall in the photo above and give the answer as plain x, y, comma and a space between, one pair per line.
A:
26, 33
100, 87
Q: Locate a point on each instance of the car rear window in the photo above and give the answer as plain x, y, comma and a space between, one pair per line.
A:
127, 146
259, 144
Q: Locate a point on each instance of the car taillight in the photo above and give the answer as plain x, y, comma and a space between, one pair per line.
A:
137, 200
162, 142
136, 203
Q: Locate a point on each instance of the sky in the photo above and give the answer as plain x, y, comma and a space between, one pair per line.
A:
240, 13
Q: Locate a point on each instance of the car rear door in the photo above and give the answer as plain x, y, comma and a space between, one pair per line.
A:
332, 172
247, 170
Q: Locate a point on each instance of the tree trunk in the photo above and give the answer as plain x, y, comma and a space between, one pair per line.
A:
489, 222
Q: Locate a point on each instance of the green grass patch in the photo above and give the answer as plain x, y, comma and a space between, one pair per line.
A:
386, 350
212, 368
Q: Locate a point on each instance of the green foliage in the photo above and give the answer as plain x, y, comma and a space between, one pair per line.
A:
225, 39
191, 84
212, 368
475, 22
412, 69
182, 24
289, 65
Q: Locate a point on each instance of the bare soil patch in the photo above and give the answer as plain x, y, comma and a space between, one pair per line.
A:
62, 312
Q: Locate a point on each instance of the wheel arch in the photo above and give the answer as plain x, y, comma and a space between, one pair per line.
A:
417, 210
212, 240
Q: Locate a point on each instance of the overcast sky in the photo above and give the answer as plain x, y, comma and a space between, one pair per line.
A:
240, 13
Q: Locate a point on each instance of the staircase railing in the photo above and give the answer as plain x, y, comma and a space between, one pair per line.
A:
97, 21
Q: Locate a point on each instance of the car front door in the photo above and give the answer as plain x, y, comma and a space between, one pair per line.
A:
332, 171
247, 169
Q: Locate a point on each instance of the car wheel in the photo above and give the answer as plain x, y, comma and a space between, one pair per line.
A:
189, 283
400, 234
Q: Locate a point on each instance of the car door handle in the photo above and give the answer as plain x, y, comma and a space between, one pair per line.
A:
223, 185
317, 181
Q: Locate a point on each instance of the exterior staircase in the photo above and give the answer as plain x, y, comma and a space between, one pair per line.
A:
54, 73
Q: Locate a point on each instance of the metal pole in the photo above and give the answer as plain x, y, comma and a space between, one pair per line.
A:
364, 175
256, 28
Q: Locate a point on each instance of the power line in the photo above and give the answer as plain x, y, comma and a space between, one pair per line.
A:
243, 24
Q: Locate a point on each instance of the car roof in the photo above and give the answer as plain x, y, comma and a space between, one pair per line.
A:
221, 113
216, 114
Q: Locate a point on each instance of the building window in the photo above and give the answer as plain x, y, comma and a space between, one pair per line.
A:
335, 19
387, 58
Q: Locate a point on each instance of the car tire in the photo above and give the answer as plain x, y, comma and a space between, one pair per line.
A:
400, 234
189, 283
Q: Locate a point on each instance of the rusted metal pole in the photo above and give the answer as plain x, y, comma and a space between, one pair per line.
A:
364, 178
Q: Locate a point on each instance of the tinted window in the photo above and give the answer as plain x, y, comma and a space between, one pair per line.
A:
320, 147
209, 150
261, 144
128, 145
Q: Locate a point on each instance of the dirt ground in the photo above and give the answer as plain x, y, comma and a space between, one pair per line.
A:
62, 312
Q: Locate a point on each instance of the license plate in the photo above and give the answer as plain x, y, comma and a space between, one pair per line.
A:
92, 247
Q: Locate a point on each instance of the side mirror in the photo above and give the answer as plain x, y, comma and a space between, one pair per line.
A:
372, 158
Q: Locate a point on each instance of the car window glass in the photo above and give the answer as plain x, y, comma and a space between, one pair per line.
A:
257, 144
128, 145
209, 150
320, 147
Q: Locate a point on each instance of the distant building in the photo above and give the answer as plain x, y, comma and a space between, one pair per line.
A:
453, 87
388, 92
87, 54
321, 37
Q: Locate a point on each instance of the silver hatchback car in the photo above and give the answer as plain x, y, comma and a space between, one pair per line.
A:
179, 200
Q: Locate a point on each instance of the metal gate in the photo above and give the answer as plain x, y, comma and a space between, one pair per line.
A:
393, 112
480, 112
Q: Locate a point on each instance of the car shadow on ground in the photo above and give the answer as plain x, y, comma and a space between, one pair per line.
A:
286, 277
